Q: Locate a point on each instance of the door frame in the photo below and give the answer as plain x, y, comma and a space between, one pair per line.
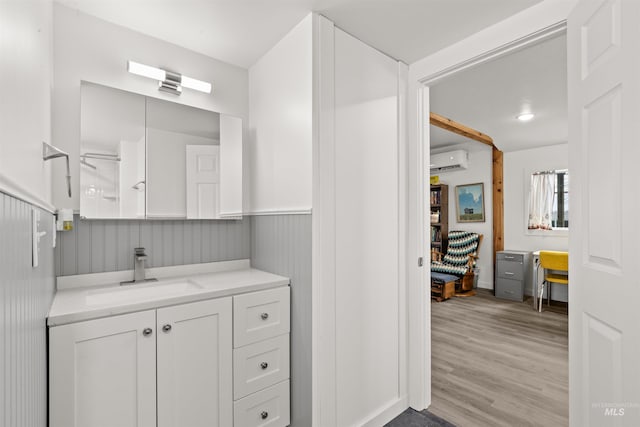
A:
537, 23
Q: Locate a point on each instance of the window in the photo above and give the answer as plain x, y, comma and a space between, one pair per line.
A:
560, 212
549, 201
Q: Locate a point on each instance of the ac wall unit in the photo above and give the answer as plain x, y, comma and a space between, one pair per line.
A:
449, 161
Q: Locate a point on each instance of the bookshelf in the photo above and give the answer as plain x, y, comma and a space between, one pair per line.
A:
439, 217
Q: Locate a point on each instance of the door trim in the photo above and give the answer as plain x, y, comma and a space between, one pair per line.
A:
533, 25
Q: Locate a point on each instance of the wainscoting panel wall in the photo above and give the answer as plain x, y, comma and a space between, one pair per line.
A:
25, 297
281, 244
96, 246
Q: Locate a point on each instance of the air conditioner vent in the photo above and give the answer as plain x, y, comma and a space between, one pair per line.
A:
449, 161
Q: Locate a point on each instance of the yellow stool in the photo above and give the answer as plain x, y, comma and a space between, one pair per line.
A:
558, 262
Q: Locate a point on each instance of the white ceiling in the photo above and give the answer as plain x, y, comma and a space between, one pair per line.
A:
488, 98
241, 31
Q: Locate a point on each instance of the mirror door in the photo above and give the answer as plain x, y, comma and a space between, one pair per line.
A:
112, 153
144, 157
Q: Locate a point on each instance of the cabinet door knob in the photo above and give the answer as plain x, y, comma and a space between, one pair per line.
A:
264, 365
147, 331
264, 415
166, 328
264, 316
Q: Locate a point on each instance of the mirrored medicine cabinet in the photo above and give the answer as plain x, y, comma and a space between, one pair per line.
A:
143, 157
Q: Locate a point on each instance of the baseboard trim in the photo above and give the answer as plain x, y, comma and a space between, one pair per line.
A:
385, 413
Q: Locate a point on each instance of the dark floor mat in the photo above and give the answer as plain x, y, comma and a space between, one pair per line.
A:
412, 418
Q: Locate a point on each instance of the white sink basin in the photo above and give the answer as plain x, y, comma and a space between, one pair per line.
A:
136, 293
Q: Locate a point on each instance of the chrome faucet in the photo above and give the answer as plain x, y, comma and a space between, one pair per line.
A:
139, 257
138, 260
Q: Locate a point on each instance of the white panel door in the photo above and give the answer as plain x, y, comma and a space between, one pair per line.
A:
102, 373
195, 385
203, 181
230, 166
604, 106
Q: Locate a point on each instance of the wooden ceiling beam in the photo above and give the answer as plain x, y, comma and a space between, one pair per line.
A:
459, 128
497, 173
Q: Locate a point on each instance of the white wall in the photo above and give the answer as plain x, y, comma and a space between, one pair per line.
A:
90, 49
358, 304
25, 109
480, 166
280, 96
518, 167
367, 296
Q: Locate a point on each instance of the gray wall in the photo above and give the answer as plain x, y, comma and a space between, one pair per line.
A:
281, 244
96, 246
25, 297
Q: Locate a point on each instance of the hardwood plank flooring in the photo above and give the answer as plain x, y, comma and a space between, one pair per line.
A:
499, 363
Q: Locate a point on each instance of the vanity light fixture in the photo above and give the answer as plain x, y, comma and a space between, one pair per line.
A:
525, 117
168, 81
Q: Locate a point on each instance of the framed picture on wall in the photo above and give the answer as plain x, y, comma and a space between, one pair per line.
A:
470, 202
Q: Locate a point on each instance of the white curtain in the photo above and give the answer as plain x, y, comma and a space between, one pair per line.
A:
541, 201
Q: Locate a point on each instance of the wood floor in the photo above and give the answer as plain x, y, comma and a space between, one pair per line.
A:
499, 363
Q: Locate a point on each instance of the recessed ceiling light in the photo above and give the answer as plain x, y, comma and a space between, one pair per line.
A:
525, 117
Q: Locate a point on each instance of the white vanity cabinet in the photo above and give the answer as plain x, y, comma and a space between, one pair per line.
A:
215, 362
103, 372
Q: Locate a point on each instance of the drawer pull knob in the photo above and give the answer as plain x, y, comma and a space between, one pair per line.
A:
264, 415
508, 273
509, 257
166, 328
264, 316
147, 331
264, 365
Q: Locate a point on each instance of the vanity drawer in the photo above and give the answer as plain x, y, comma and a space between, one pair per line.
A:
260, 315
266, 408
260, 365
509, 289
510, 270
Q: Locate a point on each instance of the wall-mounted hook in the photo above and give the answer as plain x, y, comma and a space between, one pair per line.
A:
50, 152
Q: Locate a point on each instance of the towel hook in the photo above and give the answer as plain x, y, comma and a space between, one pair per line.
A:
50, 152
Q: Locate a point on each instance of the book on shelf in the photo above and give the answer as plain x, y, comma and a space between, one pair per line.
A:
435, 197
436, 235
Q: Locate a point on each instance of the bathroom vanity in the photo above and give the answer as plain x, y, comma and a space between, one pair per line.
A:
205, 345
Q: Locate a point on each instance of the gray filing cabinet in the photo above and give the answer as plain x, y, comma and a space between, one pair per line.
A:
513, 273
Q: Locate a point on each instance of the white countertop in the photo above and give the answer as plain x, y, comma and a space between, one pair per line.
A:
91, 302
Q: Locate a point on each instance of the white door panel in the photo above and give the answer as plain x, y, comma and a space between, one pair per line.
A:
604, 106
203, 181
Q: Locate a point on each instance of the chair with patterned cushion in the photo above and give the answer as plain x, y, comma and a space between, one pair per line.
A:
457, 264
